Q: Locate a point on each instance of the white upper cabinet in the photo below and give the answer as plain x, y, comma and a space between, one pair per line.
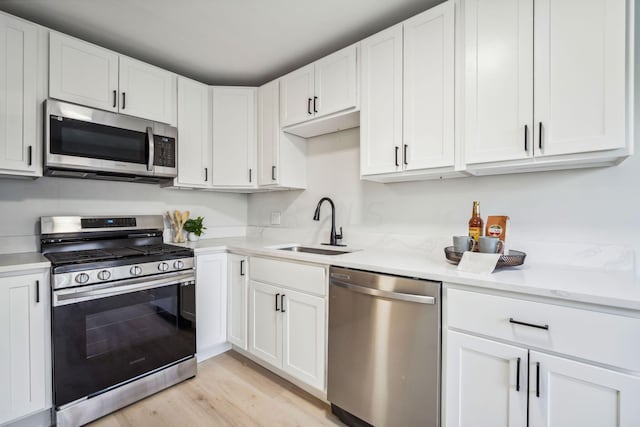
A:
86, 74
194, 120
547, 86
408, 99
498, 80
19, 145
82, 73
580, 91
25, 366
281, 156
326, 90
234, 137
297, 93
428, 90
147, 91
336, 82
381, 110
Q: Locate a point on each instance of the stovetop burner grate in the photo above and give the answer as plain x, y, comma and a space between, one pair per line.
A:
92, 255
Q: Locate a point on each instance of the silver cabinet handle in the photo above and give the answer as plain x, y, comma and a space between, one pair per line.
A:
421, 299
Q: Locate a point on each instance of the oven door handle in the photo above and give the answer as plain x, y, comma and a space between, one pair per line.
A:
88, 293
151, 143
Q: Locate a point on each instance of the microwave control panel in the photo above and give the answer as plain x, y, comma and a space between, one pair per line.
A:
164, 151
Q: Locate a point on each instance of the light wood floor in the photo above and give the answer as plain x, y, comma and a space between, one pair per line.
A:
229, 390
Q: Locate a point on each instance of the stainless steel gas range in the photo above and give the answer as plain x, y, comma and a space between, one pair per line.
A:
123, 312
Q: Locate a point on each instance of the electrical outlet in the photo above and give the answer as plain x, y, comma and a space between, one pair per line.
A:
275, 218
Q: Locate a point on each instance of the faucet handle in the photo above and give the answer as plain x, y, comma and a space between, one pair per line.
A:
339, 236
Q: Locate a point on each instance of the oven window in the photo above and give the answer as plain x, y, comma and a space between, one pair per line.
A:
78, 138
121, 328
107, 341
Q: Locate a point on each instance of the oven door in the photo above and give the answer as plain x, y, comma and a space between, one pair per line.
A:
108, 334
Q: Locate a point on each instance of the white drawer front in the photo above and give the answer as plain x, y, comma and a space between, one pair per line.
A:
606, 338
304, 277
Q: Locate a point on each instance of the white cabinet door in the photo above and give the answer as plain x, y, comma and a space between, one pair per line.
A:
304, 337
268, 134
484, 385
237, 300
498, 80
234, 137
18, 103
297, 91
23, 354
336, 82
567, 393
381, 103
82, 73
580, 76
211, 303
147, 91
194, 138
265, 323
428, 112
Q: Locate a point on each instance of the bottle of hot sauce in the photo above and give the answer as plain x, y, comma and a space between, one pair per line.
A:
476, 225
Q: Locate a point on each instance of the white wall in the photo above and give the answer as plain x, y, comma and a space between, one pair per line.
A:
592, 206
22, 202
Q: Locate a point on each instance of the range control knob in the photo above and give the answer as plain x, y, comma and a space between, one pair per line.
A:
104, 275
178, 265
136, 270
163, 266
82, 278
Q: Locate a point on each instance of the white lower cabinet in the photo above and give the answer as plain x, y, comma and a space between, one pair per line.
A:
265, 336
287, 328
211, 305
491, 383
25, 366
564, 392
484, 385
303, 338
237, 300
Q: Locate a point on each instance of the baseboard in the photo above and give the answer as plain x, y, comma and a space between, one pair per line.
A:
39, 419
212, 351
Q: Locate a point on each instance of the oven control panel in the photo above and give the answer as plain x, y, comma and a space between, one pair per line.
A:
123, 272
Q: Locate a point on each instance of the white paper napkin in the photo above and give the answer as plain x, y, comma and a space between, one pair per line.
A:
478, 263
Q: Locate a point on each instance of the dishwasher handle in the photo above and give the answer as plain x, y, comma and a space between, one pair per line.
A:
421, 299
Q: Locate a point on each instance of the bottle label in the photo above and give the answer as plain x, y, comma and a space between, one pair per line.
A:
475, 232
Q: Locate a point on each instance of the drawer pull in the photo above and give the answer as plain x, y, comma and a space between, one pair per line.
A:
531, 325
518, 375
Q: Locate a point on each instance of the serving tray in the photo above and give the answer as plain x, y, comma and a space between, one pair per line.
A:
511, 259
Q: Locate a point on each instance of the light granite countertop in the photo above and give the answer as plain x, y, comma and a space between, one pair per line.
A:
620, 289
22, 261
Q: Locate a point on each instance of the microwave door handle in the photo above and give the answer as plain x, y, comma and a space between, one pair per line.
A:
151, 148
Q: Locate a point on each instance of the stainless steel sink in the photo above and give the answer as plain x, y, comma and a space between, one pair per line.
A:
318, 251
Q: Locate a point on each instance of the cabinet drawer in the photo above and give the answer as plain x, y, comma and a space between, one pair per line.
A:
304, 277
605, 338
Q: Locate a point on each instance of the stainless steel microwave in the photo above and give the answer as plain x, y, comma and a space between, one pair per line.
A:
82, 142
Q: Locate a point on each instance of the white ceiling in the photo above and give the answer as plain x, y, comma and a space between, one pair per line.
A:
227, 42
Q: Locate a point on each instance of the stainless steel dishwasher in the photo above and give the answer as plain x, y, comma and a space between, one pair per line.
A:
384, 349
